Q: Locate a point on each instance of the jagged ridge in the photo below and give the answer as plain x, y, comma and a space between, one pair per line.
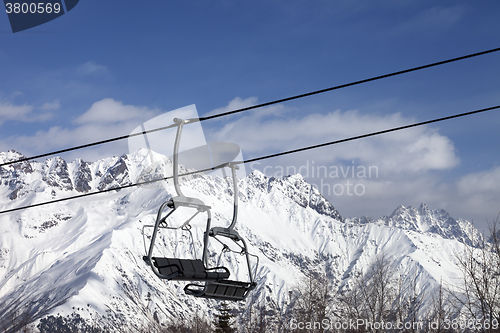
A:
86, 254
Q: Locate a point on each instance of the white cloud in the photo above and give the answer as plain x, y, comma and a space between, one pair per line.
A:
110, 111
91, 68
235, 104
9, 111
432, 151
413, 150
405, 161
484, 184
51, 105
24, 113
410, 163
105, 119
475, 196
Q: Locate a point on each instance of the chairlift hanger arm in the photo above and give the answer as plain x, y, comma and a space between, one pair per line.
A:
157, 224
233, 168
180, 123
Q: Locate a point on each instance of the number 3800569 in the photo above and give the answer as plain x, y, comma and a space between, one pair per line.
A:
25, 8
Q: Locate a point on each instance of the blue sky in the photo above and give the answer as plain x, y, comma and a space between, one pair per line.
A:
130, 61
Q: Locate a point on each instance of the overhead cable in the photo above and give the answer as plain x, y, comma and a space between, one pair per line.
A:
316, 92
262, 157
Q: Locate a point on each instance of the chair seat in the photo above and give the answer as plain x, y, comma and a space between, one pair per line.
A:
222, 289
189, 269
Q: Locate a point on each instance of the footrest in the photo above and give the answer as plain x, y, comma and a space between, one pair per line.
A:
188, 270
223, 290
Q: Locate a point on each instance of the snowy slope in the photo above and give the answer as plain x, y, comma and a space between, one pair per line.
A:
85, 255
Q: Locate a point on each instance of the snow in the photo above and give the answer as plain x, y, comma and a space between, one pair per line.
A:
87, 253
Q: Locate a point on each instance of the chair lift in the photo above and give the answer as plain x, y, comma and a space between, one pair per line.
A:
216, 284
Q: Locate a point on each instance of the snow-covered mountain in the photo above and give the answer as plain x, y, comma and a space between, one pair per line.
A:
85, 255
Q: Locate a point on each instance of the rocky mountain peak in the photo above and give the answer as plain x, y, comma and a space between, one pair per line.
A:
117, 175
430, 221
82, 176
56, 174
11, 155
423, 209
297, 189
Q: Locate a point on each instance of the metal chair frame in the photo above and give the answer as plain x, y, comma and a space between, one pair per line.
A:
216, 284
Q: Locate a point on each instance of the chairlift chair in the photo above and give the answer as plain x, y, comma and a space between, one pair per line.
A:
215, 279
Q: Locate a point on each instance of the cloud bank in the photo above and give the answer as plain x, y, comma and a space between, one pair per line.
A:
363, 177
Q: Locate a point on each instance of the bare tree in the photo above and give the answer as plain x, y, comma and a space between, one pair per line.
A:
441, 309
200, 324
284, 313
373, 293
408, 304
261, 324
312, 300
380, 296
478, 296
19, 320
256, 318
